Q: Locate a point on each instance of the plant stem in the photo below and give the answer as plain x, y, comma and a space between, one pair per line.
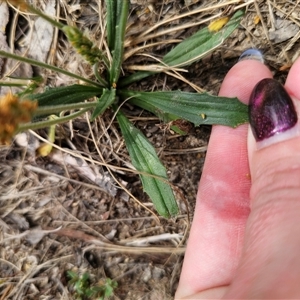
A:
47, 110
46, 66
11, 84
48, 123
45, 17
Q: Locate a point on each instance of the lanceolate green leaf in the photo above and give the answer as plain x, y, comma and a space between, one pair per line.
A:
194, 107
145, 159
201, 43
191, 49
110, 22
121, 21
66, 95
125, 81
107, 98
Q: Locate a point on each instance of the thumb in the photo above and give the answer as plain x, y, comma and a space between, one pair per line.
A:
270, 263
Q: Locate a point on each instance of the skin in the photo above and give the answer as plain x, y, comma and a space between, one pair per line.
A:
245, 237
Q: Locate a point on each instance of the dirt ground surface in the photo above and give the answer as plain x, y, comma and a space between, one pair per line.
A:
66, 211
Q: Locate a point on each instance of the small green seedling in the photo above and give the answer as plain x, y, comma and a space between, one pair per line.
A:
83, 289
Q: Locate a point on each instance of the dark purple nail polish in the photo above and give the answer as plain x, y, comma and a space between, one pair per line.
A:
271, 109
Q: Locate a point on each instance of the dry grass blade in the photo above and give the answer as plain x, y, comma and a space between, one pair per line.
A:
143, 37
17, 291
119, 248
190, 13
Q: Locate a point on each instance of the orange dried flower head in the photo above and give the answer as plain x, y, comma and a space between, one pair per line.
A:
14, 111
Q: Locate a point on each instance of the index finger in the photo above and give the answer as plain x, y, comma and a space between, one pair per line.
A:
222, 205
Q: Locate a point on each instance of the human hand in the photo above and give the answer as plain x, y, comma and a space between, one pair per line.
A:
245, 237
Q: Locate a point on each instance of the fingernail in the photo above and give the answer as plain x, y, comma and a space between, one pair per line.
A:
252, 53
271, 110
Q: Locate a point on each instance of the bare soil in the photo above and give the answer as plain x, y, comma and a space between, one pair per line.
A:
68, 211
